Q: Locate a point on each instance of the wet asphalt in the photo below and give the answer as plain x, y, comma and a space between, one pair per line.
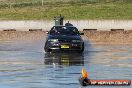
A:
24, 64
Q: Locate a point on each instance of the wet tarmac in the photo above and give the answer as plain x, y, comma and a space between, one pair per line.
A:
24, 64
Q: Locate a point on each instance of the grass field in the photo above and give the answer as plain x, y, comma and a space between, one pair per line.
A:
71, 9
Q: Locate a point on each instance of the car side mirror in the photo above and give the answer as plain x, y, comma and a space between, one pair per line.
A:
81, 33
47, 32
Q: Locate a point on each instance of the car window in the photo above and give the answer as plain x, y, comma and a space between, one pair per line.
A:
63, 30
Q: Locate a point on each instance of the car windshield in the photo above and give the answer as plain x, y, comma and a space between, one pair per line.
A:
63, 30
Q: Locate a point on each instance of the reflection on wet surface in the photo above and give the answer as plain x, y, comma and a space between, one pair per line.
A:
64, 58
26, 65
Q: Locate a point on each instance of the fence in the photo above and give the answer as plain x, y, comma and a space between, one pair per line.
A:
80, 24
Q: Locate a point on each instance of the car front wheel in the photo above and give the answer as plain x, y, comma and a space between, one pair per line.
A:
48, 50
82, 49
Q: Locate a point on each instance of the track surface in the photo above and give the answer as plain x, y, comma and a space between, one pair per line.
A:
24, 64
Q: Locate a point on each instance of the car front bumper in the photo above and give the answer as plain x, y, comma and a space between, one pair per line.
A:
65, 46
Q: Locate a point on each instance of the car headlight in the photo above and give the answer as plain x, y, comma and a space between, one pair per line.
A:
53, 40
76, 40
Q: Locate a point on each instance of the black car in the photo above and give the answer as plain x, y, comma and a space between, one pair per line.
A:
64, 38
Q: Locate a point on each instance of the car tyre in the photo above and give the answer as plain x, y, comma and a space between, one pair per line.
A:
82, 47
80, 51
48, 50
